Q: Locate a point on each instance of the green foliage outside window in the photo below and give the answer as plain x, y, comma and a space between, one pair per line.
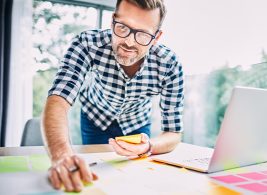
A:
54, 25
221, 83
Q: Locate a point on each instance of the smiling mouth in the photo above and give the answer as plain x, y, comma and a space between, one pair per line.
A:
128, 50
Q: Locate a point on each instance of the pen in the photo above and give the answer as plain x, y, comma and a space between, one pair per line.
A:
75, 168
92, 164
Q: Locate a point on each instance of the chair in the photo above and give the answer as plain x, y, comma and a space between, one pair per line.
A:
32, 133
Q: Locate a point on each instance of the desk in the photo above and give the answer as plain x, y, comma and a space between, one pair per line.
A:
29, 150
117, 175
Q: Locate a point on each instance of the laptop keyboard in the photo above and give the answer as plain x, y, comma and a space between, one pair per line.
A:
198, 161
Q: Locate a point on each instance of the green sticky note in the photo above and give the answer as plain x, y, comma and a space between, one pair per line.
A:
229, 164
45, 193
13, 164
87, 190
39, 162
118, 163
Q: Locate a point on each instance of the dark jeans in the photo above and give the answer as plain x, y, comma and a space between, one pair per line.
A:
94, 135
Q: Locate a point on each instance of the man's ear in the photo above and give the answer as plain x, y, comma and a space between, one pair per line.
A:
113, 16
158, 35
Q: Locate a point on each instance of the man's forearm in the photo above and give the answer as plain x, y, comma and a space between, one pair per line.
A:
55, 127
165, 142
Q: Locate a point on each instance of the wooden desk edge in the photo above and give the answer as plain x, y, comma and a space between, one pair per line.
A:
30, 150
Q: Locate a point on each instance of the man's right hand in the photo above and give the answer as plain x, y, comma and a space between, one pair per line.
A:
71, 172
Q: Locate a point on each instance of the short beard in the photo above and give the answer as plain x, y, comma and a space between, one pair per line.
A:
125, 62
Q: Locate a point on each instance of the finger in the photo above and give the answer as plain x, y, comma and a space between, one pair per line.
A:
119, 150
95, 177
144, 138
76, 181
54, 179
86, 174
65, 177
127, 146
133, 157
74, 174
134, 148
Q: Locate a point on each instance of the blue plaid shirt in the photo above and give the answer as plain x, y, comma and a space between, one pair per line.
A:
109, 94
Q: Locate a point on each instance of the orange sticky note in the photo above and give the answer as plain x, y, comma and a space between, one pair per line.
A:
135, 139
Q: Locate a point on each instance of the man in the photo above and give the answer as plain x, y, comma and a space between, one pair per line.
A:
126, 67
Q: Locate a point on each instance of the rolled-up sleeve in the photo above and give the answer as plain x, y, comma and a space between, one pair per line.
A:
71, 73
172, 99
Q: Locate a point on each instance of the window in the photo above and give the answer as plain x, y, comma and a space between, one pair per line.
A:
50, 27
221, 44
58, 23
54, 25
107, 19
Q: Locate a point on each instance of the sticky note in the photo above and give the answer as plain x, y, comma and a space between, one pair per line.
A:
13, 164
254, 187
135, 139
237, 170
89, 189
45, 193
39, 162
221, 190
230, 164
118, 163
92, 190
229, 179
253, 175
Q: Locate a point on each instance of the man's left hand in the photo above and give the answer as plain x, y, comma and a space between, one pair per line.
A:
129, 149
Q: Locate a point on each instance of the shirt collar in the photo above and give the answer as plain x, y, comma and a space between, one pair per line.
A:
138, 73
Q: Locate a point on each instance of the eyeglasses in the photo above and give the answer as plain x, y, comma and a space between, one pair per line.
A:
141, 37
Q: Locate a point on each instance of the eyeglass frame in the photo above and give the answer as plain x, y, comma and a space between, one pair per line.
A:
134, 31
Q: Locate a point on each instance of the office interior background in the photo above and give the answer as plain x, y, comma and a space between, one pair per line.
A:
220, 44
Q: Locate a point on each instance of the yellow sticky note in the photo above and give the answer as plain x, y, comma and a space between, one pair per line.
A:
221, 190
135, 139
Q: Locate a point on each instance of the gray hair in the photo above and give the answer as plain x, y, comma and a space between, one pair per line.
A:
148, 5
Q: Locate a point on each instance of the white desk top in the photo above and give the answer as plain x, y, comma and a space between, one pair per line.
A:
118, 175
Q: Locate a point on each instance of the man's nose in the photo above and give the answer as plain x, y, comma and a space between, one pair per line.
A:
130, 41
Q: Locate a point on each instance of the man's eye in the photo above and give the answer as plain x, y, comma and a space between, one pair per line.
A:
143, 35
123, 28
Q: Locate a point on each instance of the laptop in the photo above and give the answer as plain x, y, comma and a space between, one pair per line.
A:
242, 139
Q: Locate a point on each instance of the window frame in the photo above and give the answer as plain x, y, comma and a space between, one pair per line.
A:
100, 6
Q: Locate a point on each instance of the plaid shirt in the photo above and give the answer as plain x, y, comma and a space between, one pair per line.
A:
109, 94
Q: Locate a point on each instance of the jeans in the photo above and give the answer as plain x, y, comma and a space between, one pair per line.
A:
92, 134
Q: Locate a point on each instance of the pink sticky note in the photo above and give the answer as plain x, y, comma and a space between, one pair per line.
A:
255, 187
229, 179
253, 175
